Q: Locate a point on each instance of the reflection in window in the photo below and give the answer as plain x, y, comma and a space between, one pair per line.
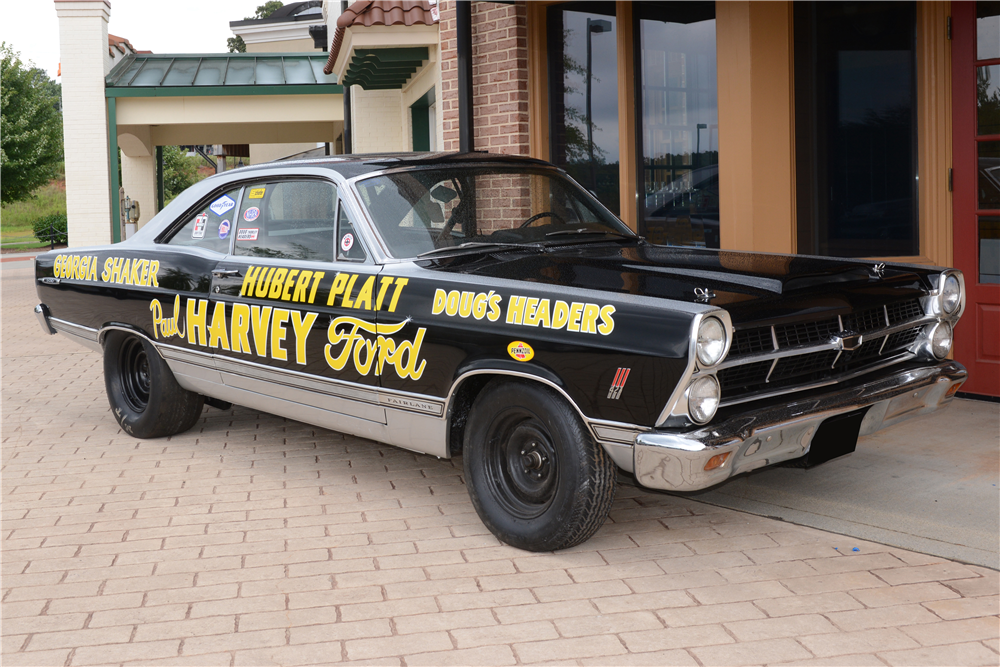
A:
987, 30
988, 99
989, 175
989, 250
211, 227
287, 220
680, 123
855, 124
583, 95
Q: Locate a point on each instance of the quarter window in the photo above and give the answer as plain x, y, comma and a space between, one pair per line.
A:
287, 220
210, 227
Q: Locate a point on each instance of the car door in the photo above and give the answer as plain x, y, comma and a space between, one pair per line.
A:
293, 310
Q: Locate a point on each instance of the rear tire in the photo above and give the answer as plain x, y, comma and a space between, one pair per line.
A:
535, 475
144, 395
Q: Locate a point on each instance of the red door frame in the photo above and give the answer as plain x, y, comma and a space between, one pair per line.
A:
977, 336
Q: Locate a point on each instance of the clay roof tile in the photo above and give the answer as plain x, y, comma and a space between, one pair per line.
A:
378, 12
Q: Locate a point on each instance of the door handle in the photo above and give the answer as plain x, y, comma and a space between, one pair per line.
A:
226, 273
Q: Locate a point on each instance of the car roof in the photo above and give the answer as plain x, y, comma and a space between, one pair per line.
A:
350, 166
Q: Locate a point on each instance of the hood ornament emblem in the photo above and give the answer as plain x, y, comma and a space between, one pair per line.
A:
878, 270
703, 294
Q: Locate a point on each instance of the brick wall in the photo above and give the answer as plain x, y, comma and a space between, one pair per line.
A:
499, 77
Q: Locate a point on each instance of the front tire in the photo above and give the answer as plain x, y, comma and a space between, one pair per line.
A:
535, 475
144, 395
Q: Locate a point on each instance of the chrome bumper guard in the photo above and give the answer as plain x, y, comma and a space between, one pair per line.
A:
755, 439
42, 313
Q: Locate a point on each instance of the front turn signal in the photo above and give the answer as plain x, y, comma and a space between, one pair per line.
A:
717, 461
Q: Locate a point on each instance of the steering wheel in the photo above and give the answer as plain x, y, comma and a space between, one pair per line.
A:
537, 216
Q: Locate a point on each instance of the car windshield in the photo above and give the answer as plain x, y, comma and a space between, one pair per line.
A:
421, 211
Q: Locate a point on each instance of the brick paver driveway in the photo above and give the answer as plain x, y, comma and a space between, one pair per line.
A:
253, 540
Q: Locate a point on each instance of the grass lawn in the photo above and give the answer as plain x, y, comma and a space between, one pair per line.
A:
16, 218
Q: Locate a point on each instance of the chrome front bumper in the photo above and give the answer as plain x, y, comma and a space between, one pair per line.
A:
677, 461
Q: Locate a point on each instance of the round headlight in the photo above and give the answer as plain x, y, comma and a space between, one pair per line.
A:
941, 340
703, 398
951, 294
711, 341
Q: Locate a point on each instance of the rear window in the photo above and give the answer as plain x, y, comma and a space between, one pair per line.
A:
287, 220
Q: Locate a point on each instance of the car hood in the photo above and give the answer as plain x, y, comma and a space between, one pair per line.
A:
752, 286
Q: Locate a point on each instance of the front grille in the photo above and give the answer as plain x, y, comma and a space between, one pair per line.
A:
822, 365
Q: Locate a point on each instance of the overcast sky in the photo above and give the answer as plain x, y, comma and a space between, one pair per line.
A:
178, 26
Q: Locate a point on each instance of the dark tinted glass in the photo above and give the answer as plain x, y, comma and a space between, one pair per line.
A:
583, 97
989, 174
288, 220
855, 124
988, 99
680, 123
987, 30
211, 227
989, 250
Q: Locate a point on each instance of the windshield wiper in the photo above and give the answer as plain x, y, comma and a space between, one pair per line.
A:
474, 246
587, 230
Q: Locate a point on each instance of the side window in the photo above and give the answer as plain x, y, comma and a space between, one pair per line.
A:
211, 227
287, 220
348, 246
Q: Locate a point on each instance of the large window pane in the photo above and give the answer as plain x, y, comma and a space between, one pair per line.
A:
583, 96
989, 174
680, 123
987, 30
988, 99
855, 122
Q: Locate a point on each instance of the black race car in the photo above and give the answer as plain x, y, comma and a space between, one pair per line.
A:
489, 306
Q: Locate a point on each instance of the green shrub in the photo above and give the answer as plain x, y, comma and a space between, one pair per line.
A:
51, 225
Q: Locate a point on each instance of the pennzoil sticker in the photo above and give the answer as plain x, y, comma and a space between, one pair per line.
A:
256, 193
251, 214
200, 223
520, 351
247, 234
222, 204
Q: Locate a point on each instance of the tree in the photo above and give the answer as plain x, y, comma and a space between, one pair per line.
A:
31, 127
179, 172
236, 44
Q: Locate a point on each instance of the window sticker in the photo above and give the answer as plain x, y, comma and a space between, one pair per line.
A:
347, 242
200, 224
222, 204
224, 229
251, 214
247, 234
256, 193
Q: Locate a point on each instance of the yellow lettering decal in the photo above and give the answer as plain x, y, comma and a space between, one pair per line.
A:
440, 297
494, 313
144, 273
256, 193
134, 274
339, 281
346, 301
278, 321
365, 295
400, 284
126, 274
277, 283
575, 311
542, 314
607, 324
166, 326
217, 333
75, 269
453, 302
386, 281
106, 273
289, 283
316, 278
465, 308
260, 319
515, 309
302, 326
116, 270
196, 320
403, 357
560, 315
154, 267
240, 329
529, 312
57, 267
263, 283
301, 285
591, 312
92, 273
249, 280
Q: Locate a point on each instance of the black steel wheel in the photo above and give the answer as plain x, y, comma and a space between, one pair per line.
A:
144, 395
535, 475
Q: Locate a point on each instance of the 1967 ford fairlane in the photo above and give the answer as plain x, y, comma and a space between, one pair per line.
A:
490, 307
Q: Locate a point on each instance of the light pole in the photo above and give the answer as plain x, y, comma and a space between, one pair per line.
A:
593, 26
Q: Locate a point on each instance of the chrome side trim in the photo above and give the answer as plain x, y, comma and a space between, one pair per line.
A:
42, 313
85, 336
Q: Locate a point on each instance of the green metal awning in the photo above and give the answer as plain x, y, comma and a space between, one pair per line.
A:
167, 75
384, 69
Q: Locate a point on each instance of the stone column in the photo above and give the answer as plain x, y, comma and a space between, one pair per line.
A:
139, 169
83, 43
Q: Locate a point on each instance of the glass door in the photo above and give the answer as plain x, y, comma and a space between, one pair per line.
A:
976, 122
